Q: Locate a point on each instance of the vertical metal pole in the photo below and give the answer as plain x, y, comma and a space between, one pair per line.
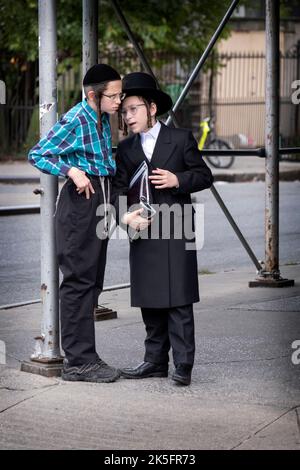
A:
89, 34
49, 184
297, 108
270, 276
272, 139
90, 58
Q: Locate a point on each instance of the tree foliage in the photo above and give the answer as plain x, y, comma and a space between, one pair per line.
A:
180, 27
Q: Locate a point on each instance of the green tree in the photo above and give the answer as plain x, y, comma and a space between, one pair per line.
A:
182, 28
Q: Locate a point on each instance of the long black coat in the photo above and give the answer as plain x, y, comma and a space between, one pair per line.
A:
163, 273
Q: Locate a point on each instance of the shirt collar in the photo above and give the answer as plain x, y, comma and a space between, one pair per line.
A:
92, 114
153, 132
89, 110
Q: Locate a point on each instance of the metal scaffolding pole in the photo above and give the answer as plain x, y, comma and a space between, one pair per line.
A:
272, 138
270, 276
46, 357
89, 34
90, 58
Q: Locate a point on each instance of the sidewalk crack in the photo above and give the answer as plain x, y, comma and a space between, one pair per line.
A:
269, 424
26, 399
298, 418
244, 360
10, 389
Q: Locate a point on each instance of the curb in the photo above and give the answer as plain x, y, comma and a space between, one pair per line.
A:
19, 210
19, 179
289, 175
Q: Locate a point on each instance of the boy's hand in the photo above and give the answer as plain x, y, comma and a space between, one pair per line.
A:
134, 220
164, 179
81, 181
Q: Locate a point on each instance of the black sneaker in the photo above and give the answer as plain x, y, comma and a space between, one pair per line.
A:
91, 372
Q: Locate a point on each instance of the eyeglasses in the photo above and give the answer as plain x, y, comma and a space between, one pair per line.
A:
116, 96
131, 109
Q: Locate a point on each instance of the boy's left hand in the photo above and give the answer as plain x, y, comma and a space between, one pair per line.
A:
164, 179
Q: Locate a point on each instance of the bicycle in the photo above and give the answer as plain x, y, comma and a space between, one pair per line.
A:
209, 140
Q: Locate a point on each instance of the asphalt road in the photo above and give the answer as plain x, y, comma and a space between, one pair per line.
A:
222, 251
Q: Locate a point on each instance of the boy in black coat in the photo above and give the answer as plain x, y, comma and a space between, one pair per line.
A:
163, 267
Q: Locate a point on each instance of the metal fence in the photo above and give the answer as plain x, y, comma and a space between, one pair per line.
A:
14, 126
21, 80
238, 96
234, 91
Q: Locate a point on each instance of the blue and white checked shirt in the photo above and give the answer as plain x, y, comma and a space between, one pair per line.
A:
75, 141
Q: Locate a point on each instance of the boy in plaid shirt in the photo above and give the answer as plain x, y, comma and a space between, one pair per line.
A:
79, 147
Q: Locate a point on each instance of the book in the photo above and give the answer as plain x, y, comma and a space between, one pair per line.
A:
139, 196
139, 191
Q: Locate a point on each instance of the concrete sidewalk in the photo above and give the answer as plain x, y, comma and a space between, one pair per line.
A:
245, 392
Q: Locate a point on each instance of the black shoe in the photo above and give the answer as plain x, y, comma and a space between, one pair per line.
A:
144, 370
183, 374
91, 372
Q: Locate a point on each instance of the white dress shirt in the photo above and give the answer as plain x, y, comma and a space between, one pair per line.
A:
149, 138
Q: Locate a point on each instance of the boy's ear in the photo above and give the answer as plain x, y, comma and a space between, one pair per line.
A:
153, 109
91, 95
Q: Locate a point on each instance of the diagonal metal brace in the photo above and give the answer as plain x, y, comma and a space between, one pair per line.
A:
139, 51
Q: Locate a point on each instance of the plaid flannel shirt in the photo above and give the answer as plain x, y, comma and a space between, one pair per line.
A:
75, 141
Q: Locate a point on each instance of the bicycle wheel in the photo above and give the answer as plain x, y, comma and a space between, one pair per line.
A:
218, 161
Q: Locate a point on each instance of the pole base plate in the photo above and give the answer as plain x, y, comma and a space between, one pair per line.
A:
52, 368
263, 282
103, 313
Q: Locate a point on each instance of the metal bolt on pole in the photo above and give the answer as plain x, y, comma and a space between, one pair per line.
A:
270, 276
46, 357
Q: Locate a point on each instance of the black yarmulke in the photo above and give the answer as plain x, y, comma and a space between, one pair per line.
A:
100, 73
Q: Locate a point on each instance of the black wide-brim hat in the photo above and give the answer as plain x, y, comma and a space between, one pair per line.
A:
143, 84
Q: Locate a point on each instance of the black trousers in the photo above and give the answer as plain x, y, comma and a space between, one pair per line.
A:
169, 327
81, 258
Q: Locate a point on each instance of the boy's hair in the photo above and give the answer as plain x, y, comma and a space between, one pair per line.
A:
98, 89
122, 124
